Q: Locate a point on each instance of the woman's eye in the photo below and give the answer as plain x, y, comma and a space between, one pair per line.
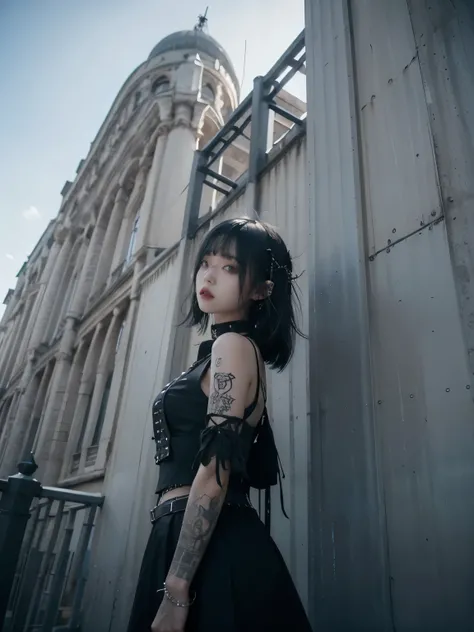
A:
230, 268
203, 263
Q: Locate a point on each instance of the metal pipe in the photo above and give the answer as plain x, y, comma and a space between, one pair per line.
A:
220, 177
295, 68
277, 68
282, 112
226, 142
56, 493
236, 115
216, 187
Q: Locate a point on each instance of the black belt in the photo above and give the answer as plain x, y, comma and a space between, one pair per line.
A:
175, 505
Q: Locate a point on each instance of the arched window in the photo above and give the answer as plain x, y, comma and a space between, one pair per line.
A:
136, 99
103, 408
133, 238
119, 337
208, 93
161, 84
80, 438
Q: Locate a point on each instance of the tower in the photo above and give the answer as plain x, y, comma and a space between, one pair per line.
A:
188, 87
125, 206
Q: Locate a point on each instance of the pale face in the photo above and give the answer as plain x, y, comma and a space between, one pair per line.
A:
218, 289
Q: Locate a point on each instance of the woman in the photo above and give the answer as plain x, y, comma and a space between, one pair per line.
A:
210, 564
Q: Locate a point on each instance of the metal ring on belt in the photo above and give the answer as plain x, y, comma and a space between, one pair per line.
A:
178, 504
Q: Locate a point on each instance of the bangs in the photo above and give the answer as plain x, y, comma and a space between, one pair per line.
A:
241, 239
224, 245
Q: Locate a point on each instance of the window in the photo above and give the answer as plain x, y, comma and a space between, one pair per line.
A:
83, 426
208, 93
136, 99
133, 238
162, 84
119, 337
103, 408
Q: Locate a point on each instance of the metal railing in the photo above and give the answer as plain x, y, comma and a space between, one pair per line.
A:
252, 112
45, 537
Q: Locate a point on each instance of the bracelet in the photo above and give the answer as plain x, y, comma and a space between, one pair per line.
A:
174, 601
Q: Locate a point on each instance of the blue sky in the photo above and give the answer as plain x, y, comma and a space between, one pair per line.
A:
62, 63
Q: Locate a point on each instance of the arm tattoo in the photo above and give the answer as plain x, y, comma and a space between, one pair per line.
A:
221, 400
200, 519
218, 362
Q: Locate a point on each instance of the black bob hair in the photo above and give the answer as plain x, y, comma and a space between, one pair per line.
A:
255, 246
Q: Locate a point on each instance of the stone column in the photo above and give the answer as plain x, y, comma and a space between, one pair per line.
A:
92, 256
4, 412
19, 428
146, 209
84, 392
110, 240
167, 213
57, 264
35, 413
56, 394
103, 369
9, 339
3, 337
61, 447
12, 352
130, 211
65, 287
26, 327
76, 275
6, 435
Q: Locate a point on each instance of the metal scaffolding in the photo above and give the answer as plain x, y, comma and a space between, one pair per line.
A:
254, 110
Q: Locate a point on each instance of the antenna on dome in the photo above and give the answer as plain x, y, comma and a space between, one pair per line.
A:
202, 21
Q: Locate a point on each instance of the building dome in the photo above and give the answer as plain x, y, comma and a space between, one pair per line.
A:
198, 41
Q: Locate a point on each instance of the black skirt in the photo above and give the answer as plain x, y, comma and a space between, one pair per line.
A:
242, 583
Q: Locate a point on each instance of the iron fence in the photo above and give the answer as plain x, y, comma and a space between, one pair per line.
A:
45, 537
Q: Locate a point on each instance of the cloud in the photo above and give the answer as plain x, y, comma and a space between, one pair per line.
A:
31, 213
9, 256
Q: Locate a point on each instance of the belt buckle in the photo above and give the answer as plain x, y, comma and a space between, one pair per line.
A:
169, 508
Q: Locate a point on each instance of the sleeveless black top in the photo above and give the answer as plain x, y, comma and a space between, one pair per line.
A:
185, 436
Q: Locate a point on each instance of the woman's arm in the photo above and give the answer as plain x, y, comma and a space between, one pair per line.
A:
231, 372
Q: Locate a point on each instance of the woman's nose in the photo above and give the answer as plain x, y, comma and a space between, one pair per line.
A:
209, 275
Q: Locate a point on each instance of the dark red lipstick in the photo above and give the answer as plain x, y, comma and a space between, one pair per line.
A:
205, 293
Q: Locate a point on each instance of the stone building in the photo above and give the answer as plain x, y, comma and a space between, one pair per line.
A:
66, 320
73, 326
373, 192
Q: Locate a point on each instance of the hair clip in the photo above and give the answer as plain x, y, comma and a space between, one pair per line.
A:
274, 263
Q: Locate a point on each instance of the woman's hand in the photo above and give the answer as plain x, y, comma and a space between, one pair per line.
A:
169, 618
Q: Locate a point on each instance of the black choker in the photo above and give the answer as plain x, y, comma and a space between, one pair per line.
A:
238, 326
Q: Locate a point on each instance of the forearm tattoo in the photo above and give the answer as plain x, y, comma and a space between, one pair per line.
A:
200, 519
221, 400
202, 512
